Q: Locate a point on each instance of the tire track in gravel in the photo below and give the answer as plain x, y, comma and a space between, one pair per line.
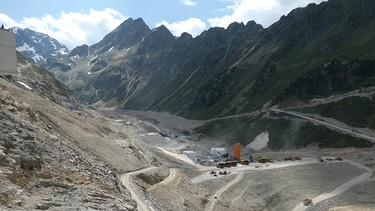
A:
341, 189
215, 197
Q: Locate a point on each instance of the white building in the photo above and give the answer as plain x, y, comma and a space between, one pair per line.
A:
8, 56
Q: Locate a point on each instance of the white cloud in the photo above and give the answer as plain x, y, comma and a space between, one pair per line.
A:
7, 21
193, 26
73, 28
188, 3
77, 28
264, 12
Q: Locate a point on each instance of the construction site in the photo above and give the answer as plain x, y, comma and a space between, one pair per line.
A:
205, 174
54, 158
133, 160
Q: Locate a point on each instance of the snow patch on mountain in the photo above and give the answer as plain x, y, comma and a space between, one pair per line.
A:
30, 50
37, 46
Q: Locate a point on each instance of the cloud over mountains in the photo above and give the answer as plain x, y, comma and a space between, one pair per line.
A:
88, 27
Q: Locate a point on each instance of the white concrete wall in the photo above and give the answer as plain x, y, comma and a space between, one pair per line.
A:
8, 57
192, 155
218, 151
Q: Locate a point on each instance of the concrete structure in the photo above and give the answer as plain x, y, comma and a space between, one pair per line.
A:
218, 151
8, 56
237, 151
192, 155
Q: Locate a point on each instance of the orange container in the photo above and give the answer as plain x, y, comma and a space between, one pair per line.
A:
237, 151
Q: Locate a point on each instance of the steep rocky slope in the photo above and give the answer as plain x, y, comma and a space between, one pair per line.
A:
54, 153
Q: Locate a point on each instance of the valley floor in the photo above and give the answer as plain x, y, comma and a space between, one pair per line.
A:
58, 159
282, 185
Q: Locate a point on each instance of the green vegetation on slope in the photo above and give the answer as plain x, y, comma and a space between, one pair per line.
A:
312, 52
335, 77
353, 111
283, 133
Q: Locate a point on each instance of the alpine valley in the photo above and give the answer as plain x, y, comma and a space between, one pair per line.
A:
313, 54
242, 118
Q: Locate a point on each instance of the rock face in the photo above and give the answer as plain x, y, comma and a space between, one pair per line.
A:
80, 51
39, 170
51, 148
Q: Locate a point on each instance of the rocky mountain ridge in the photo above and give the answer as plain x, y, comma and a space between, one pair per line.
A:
37, 46
222, 71
312, 53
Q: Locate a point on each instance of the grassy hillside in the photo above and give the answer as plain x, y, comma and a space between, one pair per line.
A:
283, 133
354, 111
313, 52
334, 77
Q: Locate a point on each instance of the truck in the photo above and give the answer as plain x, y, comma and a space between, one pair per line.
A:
264, 160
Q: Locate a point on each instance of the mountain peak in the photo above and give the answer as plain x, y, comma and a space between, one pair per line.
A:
80, 51
37, 46
163, 31
159, 38
127, 34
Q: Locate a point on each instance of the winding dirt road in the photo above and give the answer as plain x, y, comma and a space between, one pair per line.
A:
241, 170
341, 189
127, 183
246, 169
320, 122
217, 195
172, 175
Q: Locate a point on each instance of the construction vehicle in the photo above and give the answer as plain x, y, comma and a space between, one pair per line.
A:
220, 165
264, 160
308, 202
339, 158
245, 162
230, 163
298, 157
293, 158
289, 158
329, 159
223, 172
226, 164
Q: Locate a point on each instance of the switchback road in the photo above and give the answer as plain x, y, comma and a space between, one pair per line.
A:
320, 122
126, 180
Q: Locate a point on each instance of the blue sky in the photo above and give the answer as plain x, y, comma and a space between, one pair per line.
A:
78, 22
